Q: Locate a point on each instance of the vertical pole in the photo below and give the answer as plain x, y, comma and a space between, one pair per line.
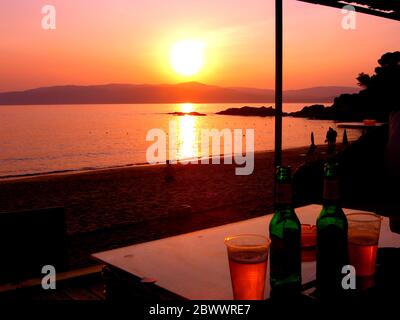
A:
278, 82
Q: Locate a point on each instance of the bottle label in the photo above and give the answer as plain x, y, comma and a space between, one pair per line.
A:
284, 193
331, 189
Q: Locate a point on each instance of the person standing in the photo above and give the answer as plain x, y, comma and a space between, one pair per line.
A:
331, 136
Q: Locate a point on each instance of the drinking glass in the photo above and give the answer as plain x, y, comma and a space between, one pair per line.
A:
248, 258
364, 230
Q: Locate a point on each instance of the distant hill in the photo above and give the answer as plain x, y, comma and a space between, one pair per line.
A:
184, 92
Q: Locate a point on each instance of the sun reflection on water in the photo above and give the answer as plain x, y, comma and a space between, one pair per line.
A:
187, 144
188, 133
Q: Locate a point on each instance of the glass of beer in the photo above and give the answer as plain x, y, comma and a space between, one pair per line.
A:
248, 258
364, 229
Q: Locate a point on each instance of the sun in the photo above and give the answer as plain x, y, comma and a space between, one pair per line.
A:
187, 107
187, 57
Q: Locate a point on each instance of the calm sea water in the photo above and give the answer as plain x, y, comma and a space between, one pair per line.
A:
41, 139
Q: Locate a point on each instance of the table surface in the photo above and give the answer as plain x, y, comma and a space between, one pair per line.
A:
195, 265
359, 125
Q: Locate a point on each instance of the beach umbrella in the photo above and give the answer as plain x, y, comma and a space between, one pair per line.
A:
312, 147
345, 140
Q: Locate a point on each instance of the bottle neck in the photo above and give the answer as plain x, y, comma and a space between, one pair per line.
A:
283, 194
331, 192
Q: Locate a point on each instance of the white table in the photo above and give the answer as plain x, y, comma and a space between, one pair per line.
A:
195, 265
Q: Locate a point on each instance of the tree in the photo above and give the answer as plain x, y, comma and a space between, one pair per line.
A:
380, 94
363, 80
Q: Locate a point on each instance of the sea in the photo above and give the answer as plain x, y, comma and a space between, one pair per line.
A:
42, 139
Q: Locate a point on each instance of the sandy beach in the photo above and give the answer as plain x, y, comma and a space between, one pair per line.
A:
115, 207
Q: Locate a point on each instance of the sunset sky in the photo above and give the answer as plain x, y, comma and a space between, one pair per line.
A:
130, 41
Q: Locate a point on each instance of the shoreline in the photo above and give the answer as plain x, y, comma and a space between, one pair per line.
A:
115, 167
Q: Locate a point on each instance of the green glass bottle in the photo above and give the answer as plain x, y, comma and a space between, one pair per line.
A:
331, 237
285, 234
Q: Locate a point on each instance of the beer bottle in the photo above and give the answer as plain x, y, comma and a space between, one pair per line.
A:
331, 237
285, 234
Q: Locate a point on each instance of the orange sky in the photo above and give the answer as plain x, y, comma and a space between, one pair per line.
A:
128, 41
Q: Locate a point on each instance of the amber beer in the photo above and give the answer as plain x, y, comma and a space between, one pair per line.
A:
364, 229
248, 275
248, 259
362, 253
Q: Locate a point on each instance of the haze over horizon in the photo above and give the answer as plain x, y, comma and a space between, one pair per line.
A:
130, 42
187, 92
180, 83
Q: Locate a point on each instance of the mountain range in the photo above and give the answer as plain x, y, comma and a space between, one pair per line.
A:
165, 93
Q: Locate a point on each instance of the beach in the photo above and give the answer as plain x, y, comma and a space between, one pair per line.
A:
115, 207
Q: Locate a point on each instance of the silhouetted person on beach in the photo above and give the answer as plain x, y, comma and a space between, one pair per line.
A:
331, 136
169, 173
